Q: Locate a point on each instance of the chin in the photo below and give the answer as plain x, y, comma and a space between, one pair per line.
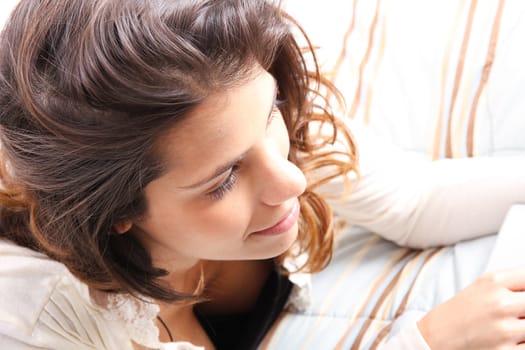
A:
277, 244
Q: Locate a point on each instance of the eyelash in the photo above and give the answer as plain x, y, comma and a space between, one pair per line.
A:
231, 180
226, 186
276, 109
279, 103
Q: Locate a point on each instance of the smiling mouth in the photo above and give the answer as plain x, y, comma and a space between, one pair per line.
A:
284, 224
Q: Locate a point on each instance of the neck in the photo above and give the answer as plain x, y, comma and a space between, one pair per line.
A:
177, 320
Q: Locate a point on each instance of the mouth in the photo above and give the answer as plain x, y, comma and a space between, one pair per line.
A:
284, 224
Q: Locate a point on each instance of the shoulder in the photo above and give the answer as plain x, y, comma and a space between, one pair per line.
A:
28, 281
43, 304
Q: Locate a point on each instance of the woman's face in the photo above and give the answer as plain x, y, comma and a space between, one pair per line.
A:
229, 192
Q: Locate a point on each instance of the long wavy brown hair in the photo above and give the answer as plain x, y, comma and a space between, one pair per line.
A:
87, 88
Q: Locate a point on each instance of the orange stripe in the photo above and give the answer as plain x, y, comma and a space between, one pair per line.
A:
437, 135
438, 131
491, 53
364, 61
370, 89
342, 55
336, 286
404, 303
381, 301
366, 324
375, 286
459, 72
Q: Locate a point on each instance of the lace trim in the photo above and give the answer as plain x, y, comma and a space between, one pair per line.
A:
137, 318
301, 294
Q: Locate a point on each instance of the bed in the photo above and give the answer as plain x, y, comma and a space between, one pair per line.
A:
440, 79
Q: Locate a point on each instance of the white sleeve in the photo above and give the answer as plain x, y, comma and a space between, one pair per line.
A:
7, 342
43, 306
64, 321
416, 202
409, 338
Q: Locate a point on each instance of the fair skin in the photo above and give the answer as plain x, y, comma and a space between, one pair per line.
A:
198, 213
199, 219
488, 314
224, 211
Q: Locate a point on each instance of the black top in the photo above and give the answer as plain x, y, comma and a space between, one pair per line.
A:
245, 331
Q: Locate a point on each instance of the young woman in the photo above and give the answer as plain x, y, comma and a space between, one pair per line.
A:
161, 160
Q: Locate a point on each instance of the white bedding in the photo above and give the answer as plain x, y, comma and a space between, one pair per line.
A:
439, 78
374, 288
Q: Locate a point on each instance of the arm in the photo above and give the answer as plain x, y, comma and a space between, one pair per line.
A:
417, 202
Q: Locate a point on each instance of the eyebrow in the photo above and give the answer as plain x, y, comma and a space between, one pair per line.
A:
228, 165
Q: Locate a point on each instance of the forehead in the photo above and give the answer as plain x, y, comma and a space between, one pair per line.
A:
223, 126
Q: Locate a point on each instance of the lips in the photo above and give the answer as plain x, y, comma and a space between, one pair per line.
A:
284, 224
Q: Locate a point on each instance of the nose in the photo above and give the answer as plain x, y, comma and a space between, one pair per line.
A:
280, 179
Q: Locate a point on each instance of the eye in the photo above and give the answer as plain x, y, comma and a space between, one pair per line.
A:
275, 113
276, 110
226, 186
278, 102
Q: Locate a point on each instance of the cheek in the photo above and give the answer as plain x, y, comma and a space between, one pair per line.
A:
172, 217
228, 216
